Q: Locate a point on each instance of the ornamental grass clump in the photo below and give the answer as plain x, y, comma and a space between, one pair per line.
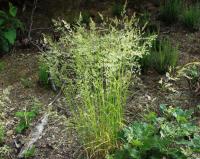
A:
96, 64
164, 56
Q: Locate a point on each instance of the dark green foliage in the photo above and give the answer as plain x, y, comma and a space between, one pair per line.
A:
191, 17
170, 10
8, 28
148, 26
171, 136
43, 74
85, 15
117, 9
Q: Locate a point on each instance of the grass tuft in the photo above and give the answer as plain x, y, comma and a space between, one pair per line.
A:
191, 17
162, 57
170, 10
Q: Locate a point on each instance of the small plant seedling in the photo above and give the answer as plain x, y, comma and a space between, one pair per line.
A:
30, 152
25, 120
26, 117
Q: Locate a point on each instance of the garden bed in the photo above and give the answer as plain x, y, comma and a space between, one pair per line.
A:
20, 73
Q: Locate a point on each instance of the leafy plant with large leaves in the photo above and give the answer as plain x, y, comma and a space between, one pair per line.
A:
8, 28
172, 136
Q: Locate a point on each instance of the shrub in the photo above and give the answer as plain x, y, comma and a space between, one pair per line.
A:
97, 64
172, 135
8, 26
191, 17
170, 10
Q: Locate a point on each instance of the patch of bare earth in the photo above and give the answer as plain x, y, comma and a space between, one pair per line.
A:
56, 142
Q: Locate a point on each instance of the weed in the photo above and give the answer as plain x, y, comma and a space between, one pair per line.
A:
172, 135
30, 152
102, 60
26, 117
170, 10
191, 17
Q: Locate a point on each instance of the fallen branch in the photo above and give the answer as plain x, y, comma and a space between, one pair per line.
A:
34, 136
37, 131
